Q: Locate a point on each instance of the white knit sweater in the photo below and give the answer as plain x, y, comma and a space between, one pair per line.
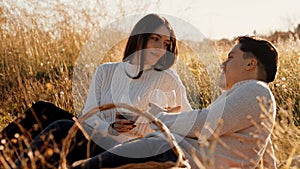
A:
110, 84
242, 137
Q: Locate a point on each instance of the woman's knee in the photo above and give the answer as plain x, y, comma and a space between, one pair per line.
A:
59, 125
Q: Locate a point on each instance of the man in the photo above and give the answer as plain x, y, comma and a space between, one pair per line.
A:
241, 139
232, 132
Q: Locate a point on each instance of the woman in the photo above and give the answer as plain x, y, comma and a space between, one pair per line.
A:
150, 52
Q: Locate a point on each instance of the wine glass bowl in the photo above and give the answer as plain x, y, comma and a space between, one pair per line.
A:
171, 99
158, 97
163, 99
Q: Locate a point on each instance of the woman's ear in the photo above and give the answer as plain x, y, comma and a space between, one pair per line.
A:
251, 64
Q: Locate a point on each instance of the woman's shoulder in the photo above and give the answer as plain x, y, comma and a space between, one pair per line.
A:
108, 65
170, 73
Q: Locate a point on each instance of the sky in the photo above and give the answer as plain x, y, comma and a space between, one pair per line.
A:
214, 19
218, 19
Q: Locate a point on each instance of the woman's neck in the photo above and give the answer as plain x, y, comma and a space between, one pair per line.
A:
136, 61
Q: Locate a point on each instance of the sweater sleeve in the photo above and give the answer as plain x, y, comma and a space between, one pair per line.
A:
94, 100
235, 108
94, 96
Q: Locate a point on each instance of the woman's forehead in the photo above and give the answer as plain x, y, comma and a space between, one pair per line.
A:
162, 30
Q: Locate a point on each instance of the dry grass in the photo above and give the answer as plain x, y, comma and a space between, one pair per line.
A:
38, 64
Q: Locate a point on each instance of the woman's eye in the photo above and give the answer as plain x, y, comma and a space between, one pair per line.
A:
154, 38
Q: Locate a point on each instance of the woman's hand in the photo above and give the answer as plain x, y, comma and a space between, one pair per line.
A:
175, 109
142, 127
155, 109
123, 123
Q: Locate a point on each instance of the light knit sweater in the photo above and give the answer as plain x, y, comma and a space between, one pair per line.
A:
110, 84
243, 136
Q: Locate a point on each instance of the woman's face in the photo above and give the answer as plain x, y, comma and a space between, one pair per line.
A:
157, 45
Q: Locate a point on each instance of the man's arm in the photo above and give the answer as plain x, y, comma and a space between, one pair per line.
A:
235, 108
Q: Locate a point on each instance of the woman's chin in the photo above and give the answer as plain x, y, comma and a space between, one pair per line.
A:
152, 61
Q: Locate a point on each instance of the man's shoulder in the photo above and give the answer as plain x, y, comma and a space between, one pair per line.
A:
255, 84
255, 87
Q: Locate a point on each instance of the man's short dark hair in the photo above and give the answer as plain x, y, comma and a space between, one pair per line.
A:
264, 52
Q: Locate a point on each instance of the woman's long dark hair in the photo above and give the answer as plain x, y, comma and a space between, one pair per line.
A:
138, 40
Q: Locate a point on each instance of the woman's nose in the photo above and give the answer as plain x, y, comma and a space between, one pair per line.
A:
160, 45
222, 66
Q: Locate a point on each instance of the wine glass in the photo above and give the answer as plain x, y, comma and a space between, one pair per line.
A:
170, 98
158, 97
124, 113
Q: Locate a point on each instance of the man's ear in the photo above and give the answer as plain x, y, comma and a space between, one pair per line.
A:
251, 64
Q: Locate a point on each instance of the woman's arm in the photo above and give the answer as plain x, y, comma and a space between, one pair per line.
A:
94, 100
94, 96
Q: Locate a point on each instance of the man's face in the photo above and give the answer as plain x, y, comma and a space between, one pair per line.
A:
233, 68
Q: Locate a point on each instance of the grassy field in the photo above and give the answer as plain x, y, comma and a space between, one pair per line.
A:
38, 64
